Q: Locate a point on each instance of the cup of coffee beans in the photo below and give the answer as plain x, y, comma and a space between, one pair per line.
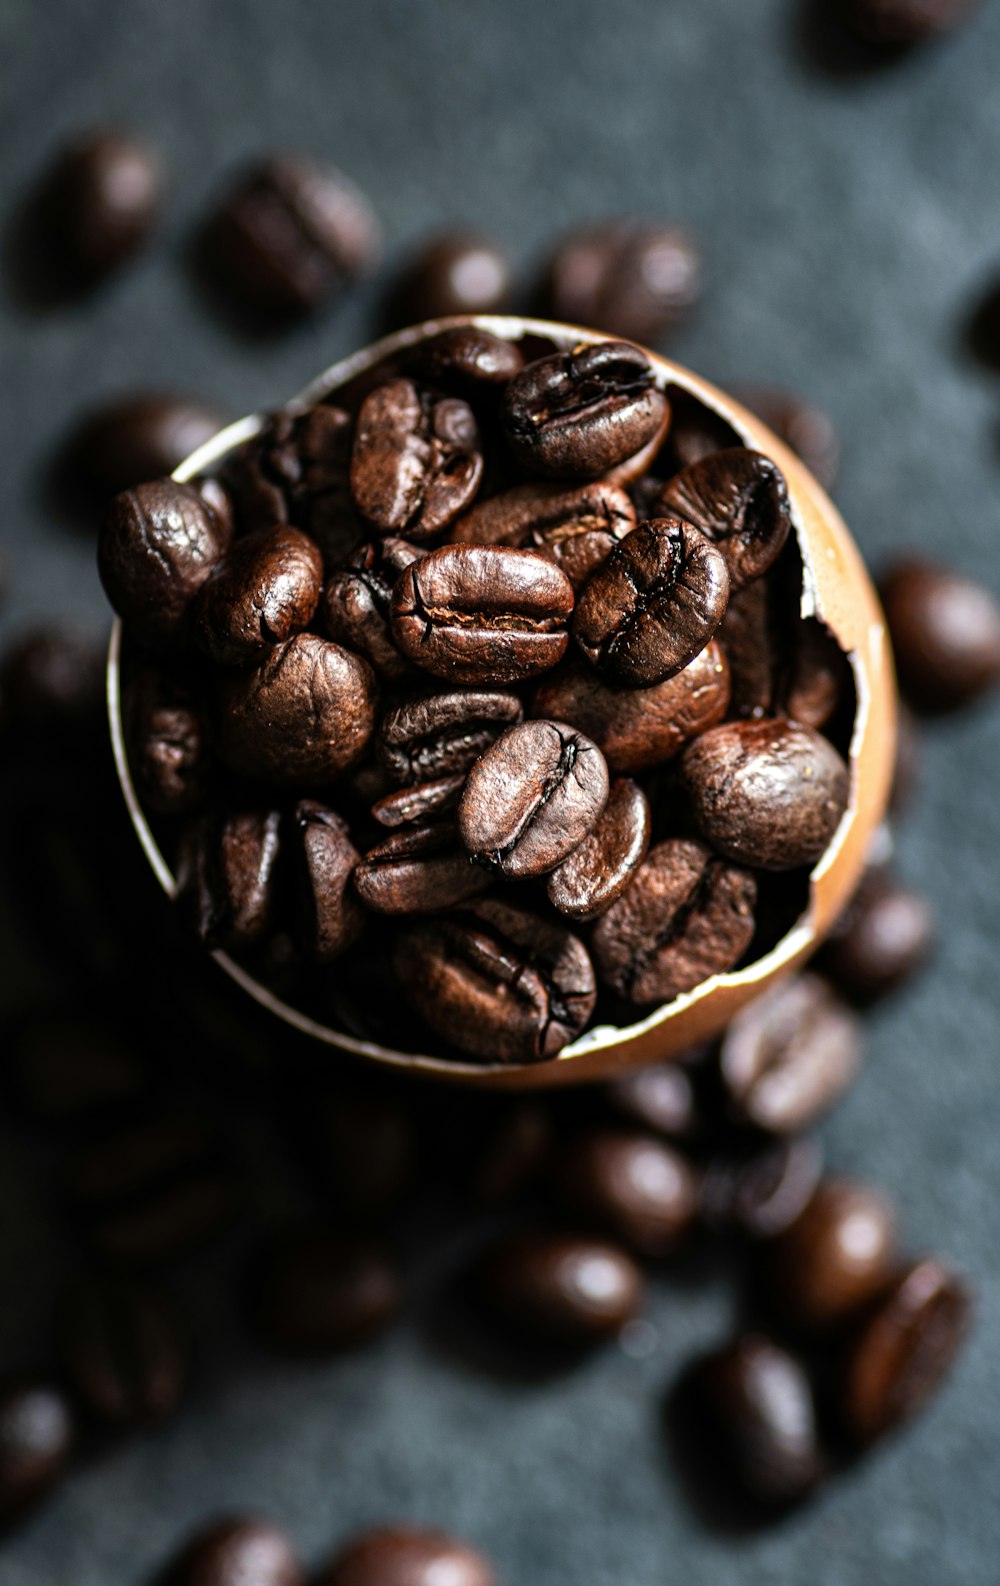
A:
511, 705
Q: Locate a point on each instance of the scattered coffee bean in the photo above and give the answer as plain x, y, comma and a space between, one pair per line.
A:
945, 633
264, 589
122, 1350
576, 528
36, 1440
226, 876
417, 460
317, 1292
167, 736
632, 1186
330, 918
661, 1097
98, 203
512, 1155
362, 1148
582, 412
457, 273
67, 1064
633, 278
739, 500
237, 1552
135, 438
834, 1258
786, 1058
159, 543
805, 429
418, 870
423, 801
169, 1223
467, 357
439, 735
405, 1556
356, 604
883, 938
767, 793
903, 22
559, 1289
601, 866
118, 1164
50, 677
760, 1190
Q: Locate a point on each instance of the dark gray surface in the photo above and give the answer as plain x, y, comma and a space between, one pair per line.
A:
846, 217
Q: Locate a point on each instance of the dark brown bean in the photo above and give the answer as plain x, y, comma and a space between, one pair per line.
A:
122, 1350
416, 462
237, 1551
661, 1097
511, 1155
466, 357
406, 1556
297, 470
362, 1148
653, 605
834, 1258
633, 278
98, 203
226, 876
356, 603
50, 677
317, 1292
695, 432
685, 917
438, 735
420, 802
580, 413
133, 438
167, 736
36, 1440
119, 1164
170, 1222
804, 428
158, 545
767, 793
633, 1186
532, 797
945, 633
636, 728
884, 937
419, 870
817, 675
66, 1064
576, 528
602, 865
739, 500
329, 917
456, 273
898, 23
482, 614
760, 1190
262, 591
561, 1290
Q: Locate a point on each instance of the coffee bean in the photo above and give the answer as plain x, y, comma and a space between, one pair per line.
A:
760, 1190
439, 735
36, 1440
159, 543
317, 1292
297, 470
883, 938
289, 235
362, 1148
560, 1289
945, 633
418, 870
301, 717
902, 22
98, 203
767, 793
466, 357
686, 916
482, 614
501, 984
264, 589
902, 1350
167, 737
737, 499
576, 528
51, 677
787, 1057
356, 603
633, 278
171, 1222
324, 857
834, 1258
66, 1064
754, 638
653, 605
532, 797
405, 1556
634, 1187
757, 1420
805, 429
579, 413
119, 1164
226, 876
237, 1552
457, 273
416, 462
661, 1097
816, 678
511, 1156
695, 432
636, 728
421, 802
122, 1350
131, 439
601, 866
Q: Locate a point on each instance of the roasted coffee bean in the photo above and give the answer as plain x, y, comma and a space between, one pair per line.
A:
653, 605
633, 278
356, 603
636, 728
362, 1148
50, 677
405, 1556
421, 802
816, 678
289, 235
903, 22
482, 614
237, 1552
511, 1156
560, 1289
757, 1420
632, 1186
122, 1350
457, 273
739, 500
805, 429
167, 736
303, 716
297, 470
127, 1161
133, 438
330, 918
582, 412
883, 938
98, 203
264, 589
36, 1440
467, 357
686, 916
418, 870
532, 797
945, 633
499, 983
158, 545
902, 1350
576, 528
66, 1064
695, 432
602, 865
760, 1190
169, 1223
786, 1058
767, 793
440, 735
754, 639
834, 1258
316, 1292
662, 1098
226, 876
417, 460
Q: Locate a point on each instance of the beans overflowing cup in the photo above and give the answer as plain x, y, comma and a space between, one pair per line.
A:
511, 705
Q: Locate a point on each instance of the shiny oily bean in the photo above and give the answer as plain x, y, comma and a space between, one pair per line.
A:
439, 735
576, 528
316, 1292
602, 865
226, 877
653, 605
457, 272
686, 916
466, 357
137, 437
632, 278
499, 983
739, 500
636, 728
580, 413
356, 603
417, 461
634, 1187
98, 203
37, 1434
482, 614
560, 1290
760, 1190
531, 798
158, 545
884, 938
418, 870
766, 793
122, 1350
297, 470
329, 917
167, 736
662, 1097
786, 1058
237, 1551
406, 1556
265, 589
420, 802
834, 1258
945, 632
